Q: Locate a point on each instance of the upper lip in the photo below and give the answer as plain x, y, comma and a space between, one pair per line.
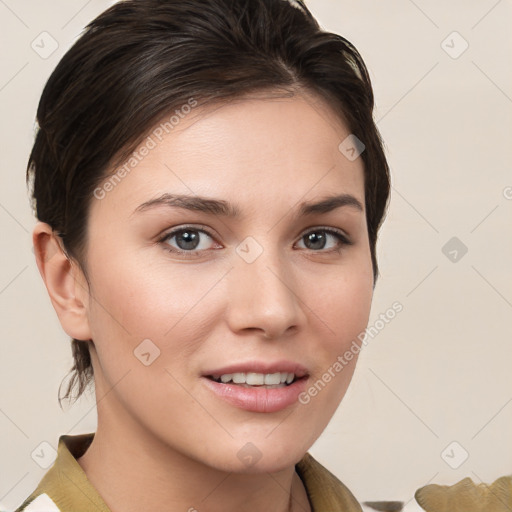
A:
260, 367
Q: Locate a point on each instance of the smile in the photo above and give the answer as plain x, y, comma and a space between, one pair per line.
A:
249, 379
258, 386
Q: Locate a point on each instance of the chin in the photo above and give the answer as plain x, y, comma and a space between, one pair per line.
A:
266, 462
263, 455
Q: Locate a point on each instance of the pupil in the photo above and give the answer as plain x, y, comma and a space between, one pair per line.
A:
315, 239
189, 238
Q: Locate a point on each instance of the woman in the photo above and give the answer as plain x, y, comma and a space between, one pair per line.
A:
209, 184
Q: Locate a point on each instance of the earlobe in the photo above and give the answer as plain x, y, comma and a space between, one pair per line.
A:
65, 282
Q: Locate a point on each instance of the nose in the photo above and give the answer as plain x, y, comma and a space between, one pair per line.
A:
263, 296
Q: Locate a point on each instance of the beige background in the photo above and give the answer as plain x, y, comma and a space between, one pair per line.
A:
440, 371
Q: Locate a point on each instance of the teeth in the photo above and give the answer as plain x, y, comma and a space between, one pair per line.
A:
239, 378
257, 379
271, 378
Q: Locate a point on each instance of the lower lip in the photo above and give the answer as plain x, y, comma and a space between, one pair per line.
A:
258, 399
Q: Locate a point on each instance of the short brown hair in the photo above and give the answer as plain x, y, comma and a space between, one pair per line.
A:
140, 59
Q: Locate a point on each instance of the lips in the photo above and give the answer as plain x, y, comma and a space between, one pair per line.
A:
258, 386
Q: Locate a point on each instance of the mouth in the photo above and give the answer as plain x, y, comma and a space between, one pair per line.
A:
261, 387
257, 380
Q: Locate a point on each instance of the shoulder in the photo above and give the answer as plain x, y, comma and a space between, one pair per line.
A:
325, 491
40, 503
65, 486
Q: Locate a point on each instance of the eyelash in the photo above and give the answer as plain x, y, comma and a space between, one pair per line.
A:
342, 239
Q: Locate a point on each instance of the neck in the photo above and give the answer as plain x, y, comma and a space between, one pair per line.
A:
121, 461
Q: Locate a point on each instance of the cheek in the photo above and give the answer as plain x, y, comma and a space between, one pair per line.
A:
135, 302
343, 311
143, 299
342, 303
355, 307
342, 307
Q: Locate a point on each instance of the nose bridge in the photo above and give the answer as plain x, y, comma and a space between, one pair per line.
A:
261, 292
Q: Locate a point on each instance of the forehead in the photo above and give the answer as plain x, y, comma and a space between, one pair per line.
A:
267, 149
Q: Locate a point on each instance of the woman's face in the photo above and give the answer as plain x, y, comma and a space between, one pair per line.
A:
185, 293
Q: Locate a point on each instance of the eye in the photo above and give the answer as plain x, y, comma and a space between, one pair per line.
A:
189, 240
316, 239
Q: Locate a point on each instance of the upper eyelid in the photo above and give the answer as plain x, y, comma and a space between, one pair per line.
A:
178, 229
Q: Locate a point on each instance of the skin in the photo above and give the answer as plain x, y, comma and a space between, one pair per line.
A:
159, 428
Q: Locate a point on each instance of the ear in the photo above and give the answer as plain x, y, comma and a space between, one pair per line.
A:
65, 282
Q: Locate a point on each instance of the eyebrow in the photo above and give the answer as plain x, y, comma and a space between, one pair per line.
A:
225, 209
